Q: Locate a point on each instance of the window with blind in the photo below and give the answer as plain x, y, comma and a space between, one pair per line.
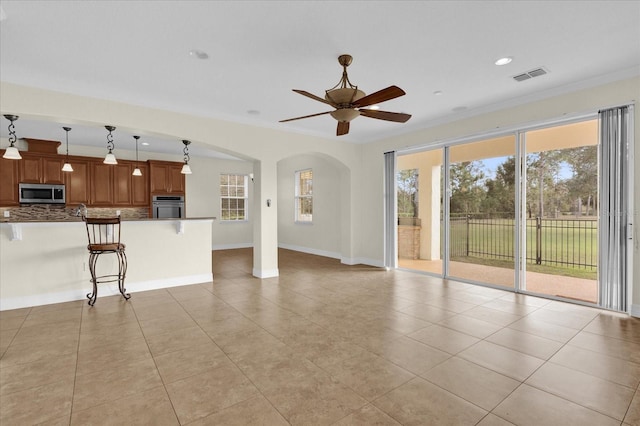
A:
304, 196
233, 197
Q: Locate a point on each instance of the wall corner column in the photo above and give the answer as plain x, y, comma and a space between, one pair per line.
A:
265, 224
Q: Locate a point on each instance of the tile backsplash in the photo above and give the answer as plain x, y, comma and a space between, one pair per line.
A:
62, 213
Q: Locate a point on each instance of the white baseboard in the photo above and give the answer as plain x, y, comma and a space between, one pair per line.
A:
309, 250
362, 261
635, 311
231, 246
103, 290
265, 273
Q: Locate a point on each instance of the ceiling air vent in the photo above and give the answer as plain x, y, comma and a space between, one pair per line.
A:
530, 74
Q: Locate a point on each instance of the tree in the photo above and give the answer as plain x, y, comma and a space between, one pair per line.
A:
467, 193
542, 177
407, 182
583, 185
500, 191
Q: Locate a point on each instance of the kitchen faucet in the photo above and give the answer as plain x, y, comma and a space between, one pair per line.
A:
81, 209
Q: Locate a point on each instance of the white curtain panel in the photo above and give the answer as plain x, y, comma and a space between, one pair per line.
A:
390, 203
615, 203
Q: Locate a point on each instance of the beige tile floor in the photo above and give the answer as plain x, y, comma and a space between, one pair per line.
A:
536, 282
322, 344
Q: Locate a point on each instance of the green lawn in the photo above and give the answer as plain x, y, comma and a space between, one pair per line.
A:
568, 247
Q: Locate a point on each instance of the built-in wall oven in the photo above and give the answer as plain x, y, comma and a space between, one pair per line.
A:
168, 206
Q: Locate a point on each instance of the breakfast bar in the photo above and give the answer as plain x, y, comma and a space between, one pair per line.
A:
43, 262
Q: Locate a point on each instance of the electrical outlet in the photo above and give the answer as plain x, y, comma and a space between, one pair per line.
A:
117, 212
7, 213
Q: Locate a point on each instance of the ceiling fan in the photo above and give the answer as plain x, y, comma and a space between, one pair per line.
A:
349, 102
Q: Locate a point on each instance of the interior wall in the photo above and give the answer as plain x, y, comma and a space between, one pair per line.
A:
364, 162
203, 200
573, 104
262, 146
323, 235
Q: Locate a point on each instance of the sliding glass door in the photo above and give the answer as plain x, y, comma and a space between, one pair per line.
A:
518, 211
419, 183
482, 209
560, 209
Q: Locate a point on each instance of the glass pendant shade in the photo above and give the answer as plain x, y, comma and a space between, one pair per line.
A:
110, 159
67, 166
12, 153
186, 170
137, 171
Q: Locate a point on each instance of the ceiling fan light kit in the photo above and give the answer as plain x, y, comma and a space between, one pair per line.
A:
350, 102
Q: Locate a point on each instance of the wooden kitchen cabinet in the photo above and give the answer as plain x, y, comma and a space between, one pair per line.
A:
114, 185
91, 182
122, 184
9, 175
30, 169
166, 177
101, 184
52, 170
140, 186
77, 182
41, 169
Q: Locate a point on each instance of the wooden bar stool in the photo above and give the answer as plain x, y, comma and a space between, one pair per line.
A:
104, 238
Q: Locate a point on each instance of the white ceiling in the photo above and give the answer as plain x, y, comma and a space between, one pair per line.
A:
138, 52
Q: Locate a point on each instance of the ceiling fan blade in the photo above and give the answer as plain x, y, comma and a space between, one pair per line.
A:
385, 115
312, 96
306, 116
390, 92
343, 128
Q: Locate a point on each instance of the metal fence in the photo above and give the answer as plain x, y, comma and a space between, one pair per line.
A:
560, 242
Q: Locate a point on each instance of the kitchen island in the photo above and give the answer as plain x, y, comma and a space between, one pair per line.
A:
47, 262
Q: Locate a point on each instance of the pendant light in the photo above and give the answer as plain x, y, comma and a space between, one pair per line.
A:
12, 153
137, 171
67, 166
110, 158
186, 170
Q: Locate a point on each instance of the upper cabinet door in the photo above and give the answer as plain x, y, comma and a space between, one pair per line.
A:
41, 169
122, 184
140, 187
52, 170
176, 179
158, 174
31, 169
166, 177
101, 184
9, 181
77, 188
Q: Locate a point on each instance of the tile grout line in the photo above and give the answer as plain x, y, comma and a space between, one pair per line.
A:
164, 386
229, 359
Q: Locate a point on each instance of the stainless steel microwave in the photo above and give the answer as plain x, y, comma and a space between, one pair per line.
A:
31, 193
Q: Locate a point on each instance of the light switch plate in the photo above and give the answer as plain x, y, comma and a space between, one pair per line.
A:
7, 213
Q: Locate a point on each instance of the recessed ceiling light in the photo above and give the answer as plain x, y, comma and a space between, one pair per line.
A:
199, 54
504, 61
374, 107
438, 92
144, 143
253, 112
